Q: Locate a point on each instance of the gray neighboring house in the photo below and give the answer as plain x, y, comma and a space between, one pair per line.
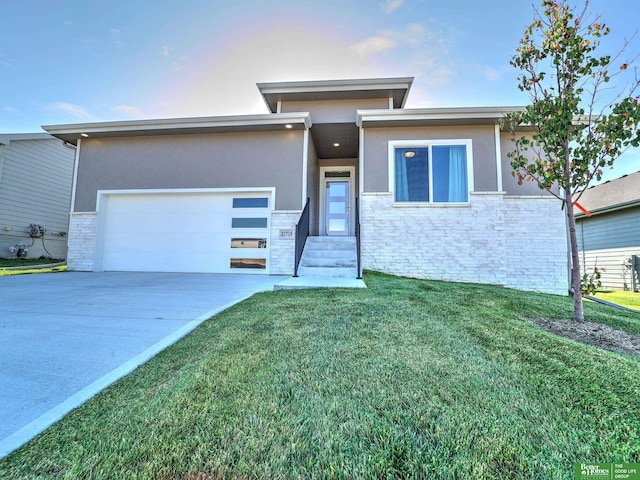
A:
425, 193
610, 237
36, 172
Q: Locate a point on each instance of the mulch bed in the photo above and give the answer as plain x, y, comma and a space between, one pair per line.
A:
594, 334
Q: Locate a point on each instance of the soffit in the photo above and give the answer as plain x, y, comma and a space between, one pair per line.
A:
345, 134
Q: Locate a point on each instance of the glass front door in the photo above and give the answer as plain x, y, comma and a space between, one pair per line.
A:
337, 208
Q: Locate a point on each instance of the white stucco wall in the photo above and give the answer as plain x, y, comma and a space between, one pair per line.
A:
515, 242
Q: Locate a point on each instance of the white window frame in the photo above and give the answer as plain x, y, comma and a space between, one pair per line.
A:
393, 144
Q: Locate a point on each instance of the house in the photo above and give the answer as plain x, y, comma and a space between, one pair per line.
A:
610, 237
36, 172
418, 192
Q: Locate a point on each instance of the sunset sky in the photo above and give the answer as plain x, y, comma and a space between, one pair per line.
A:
83, 61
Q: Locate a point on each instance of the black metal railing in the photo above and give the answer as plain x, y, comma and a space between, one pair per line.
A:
302, 232
358, 265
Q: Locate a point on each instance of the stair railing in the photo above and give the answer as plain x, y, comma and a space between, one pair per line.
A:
302, 232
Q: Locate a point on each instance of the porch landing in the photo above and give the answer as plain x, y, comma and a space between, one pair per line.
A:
326, 262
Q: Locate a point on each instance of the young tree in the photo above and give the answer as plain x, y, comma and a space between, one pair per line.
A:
576, 123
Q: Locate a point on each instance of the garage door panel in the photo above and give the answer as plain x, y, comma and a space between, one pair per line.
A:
178, 232
196, 223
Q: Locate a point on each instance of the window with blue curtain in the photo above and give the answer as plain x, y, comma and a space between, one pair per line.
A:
448, 169
412, 174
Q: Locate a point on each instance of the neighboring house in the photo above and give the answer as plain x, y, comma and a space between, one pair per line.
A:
433, 189
36, 171
610, 237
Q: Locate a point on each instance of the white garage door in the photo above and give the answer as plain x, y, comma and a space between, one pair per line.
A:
185, 232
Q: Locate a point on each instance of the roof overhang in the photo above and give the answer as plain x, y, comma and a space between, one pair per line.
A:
609, 208
181, 126
7, 138
434, 116
395, 88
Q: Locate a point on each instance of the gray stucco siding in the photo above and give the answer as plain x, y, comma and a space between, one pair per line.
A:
376, 152
509, 181
335, 111
229, 160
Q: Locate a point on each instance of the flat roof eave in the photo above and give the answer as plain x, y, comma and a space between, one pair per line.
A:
433, 116
349, 89
180, 126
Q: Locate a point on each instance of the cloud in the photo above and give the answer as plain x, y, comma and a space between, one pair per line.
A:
372, 45
6, 61
412, 34
69, 108
13, 111
130, 111
177, 65
491, 74
391, 5
116, 36
166, 51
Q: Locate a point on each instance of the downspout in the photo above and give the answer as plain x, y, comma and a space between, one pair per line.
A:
498, 158
305, 166
75, 177
359, 201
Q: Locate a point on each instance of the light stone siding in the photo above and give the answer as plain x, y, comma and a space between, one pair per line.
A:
515, 242
282, 250
82, 241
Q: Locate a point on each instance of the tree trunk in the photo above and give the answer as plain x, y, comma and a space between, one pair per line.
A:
576, 277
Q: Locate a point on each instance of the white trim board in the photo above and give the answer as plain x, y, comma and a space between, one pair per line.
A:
322, 196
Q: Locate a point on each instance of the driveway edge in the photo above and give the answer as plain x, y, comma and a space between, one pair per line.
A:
39, 425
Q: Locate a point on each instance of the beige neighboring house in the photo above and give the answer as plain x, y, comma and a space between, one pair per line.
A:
36, 171
338, 177
610, 237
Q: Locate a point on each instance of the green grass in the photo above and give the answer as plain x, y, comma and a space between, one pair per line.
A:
407, 379
624, 298
24, 262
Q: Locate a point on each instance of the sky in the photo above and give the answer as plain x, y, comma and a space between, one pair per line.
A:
72, 61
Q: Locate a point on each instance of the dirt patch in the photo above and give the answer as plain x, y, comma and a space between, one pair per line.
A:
594, 334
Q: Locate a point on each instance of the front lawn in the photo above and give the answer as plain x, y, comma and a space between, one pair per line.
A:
621, 297
406, 379
24, 262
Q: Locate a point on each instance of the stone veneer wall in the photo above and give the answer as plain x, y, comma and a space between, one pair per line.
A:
82, 241
517, 242
282, 250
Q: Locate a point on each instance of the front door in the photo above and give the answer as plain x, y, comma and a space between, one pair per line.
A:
337, 208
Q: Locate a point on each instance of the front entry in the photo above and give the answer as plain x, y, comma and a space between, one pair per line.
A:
337, 208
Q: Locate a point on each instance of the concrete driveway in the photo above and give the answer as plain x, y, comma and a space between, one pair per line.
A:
66, 336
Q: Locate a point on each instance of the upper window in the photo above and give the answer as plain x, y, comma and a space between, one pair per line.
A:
431, 171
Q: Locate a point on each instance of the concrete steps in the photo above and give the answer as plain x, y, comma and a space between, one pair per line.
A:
333, 257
